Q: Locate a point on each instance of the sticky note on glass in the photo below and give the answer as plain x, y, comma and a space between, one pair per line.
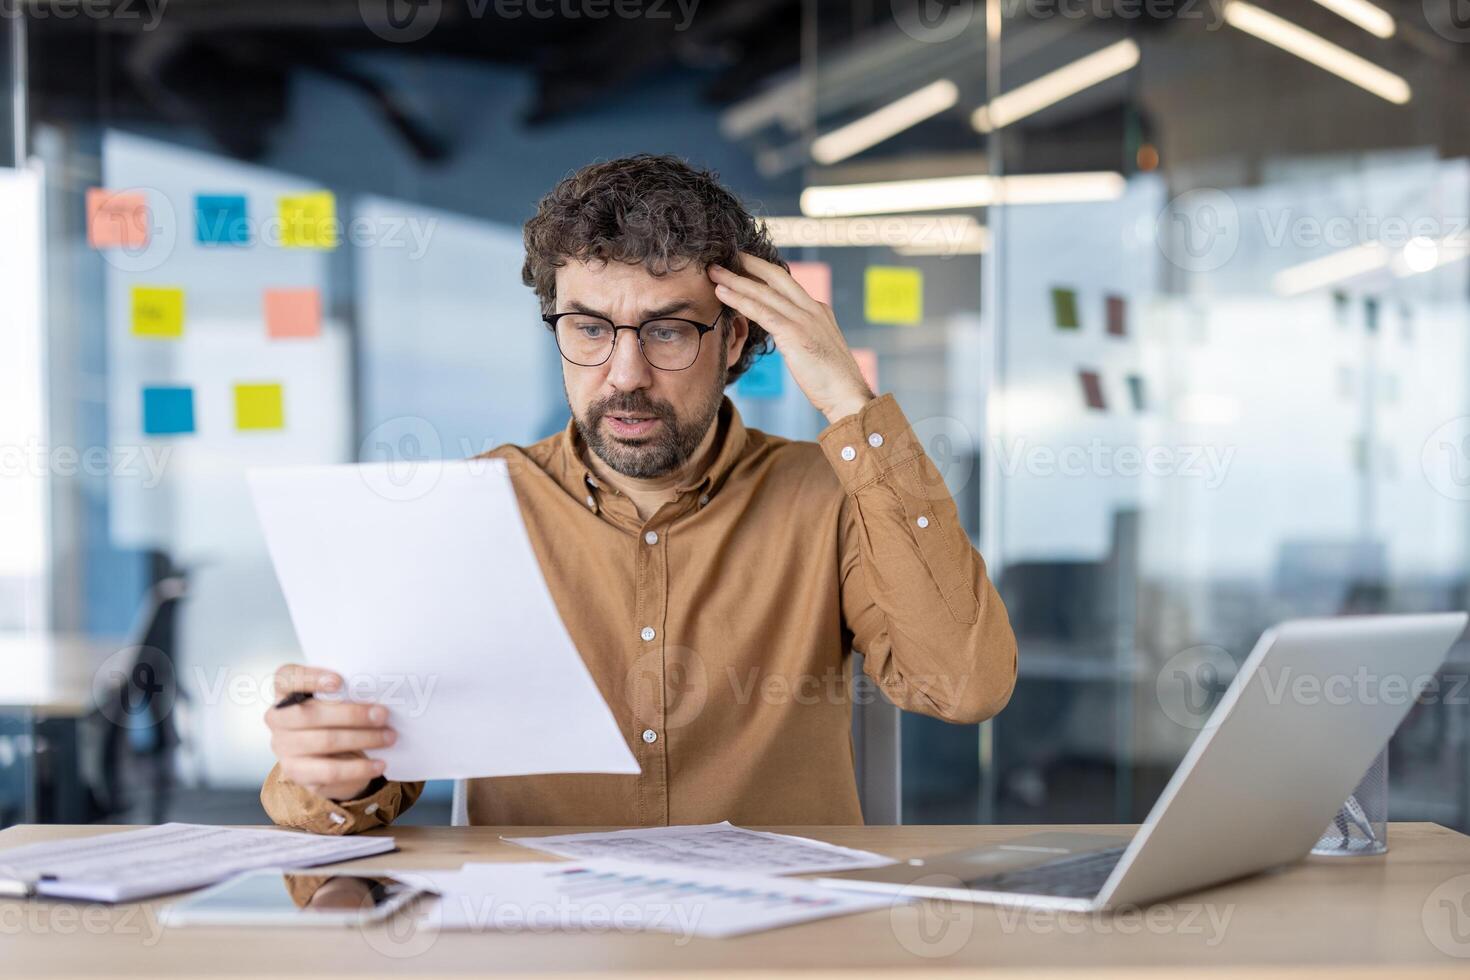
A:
1092, 393
168, 411
1117, 316
1135, 391
867, 362
158, 312
1064, 309
309, 220
766, 377
291, 313
259, 407
117, 219
815, 278
893, 294
221, 219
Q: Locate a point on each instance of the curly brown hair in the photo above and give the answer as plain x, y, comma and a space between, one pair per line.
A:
655, 210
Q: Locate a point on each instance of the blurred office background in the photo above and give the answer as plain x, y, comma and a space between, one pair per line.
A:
1177, 295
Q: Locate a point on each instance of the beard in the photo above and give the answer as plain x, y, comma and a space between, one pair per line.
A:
672, 443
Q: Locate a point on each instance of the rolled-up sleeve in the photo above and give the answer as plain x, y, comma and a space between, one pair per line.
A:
291, 805
933, 632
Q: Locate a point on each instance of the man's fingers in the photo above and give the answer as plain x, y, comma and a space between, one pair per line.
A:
330, 741
756, 300
327, 714
299, 678
313, 771
778, 279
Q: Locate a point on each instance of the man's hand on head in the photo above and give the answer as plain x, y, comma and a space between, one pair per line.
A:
805, 331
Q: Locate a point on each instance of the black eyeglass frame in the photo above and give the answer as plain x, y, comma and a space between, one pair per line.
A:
550, 320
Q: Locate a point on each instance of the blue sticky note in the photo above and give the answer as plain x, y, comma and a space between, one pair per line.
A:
168, 411
221, 219
766, 377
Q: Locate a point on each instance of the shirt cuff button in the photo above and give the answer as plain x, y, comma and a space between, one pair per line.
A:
875, 440
849, 453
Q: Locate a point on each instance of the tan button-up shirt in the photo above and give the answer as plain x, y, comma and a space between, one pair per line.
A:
719, 629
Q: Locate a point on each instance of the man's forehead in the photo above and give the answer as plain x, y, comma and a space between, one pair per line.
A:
593, 281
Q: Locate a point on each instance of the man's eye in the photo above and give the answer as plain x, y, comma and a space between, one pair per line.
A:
664, 335
592, 331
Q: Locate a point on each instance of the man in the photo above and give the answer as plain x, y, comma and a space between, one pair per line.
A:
714, 578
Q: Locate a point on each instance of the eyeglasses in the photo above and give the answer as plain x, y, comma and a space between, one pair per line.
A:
668, 343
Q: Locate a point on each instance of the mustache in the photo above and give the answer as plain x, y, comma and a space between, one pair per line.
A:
631, 401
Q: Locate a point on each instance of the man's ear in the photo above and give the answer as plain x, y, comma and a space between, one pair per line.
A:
735, 338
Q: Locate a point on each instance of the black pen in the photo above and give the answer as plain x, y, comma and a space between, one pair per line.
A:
295, 697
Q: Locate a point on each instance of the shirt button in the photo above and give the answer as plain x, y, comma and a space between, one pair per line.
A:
875, 440
337, 818
650, 736
591, 502
651, 537
703, 499
849, 453
647, 633
923, 521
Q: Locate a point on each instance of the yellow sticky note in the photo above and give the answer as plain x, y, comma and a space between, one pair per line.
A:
309, 220
259, 406
893, 294
158, 312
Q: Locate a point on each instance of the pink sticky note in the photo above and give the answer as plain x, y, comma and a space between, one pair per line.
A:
117, 219
867, 362
293, 313
815, 278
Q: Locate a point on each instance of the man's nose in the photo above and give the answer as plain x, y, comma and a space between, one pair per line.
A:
627, 370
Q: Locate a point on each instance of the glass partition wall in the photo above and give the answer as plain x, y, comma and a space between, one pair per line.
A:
1203, 368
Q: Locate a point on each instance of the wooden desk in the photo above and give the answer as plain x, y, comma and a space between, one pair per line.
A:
1357, 917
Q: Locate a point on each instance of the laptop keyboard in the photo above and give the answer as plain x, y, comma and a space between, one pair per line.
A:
1077, 876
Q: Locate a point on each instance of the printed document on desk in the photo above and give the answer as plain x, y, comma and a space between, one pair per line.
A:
425, 595
611, 895
720, 846
171, 857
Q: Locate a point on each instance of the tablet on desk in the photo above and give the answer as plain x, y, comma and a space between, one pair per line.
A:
293, 898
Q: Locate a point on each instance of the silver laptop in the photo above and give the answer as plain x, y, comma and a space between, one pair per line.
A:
1311, 706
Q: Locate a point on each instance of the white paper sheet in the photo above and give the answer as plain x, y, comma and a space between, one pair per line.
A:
169, 858
719, 846
417, 582
607, 896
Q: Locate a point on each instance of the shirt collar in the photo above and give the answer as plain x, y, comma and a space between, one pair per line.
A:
575, 475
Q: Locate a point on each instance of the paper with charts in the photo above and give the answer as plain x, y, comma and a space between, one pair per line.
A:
171, 857
603, 896
417, 583
720, 846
